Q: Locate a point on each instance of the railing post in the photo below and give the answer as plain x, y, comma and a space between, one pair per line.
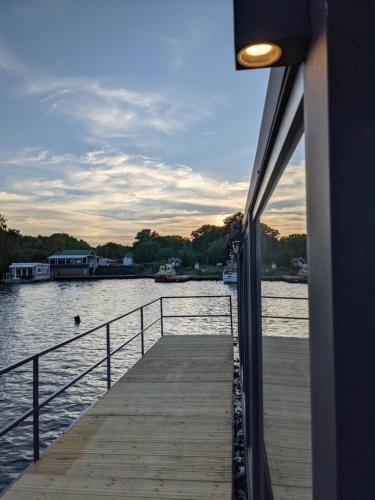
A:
108, 357
36, 407
231, 315
161, 317
142, 336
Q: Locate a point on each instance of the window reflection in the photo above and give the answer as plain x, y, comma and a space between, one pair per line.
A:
285, 332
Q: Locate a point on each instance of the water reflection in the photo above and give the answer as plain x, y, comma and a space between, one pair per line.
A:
34, 317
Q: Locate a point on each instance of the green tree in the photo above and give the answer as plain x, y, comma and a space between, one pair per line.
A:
145, 235
291, 246
216, 250
165, 253
205, 235
188, 257
113, 250
236, 218
9, 243
269, 241
146, 251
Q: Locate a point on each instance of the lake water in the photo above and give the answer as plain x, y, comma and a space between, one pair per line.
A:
37, 316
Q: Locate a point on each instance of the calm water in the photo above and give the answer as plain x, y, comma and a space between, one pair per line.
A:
34, 317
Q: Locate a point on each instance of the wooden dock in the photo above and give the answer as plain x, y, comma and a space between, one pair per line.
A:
164, 430
287, 419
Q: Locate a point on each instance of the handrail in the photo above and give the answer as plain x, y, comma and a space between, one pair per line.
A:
72, 339
285, 317
34, 358
284, 298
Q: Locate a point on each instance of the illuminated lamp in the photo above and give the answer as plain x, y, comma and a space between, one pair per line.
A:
270, 32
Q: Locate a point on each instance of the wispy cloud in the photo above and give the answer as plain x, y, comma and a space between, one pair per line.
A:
286, 210
106, 109
108, 194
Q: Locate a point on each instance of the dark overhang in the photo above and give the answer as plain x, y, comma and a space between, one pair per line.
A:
273, 29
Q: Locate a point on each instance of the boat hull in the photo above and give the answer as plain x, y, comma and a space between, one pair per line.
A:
229, 277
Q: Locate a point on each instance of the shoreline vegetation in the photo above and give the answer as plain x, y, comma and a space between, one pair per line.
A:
209, 245
218, 277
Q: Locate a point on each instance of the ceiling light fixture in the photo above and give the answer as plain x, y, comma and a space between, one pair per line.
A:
259, 55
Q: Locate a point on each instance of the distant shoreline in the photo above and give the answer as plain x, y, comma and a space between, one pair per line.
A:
133, 277
285, 278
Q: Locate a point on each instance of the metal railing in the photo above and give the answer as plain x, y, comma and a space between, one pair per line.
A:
284, 317
37, 405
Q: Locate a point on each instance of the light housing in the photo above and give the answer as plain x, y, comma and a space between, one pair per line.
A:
259, 55
280, 25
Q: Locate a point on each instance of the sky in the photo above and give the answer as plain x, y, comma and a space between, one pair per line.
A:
286, 208
118, 115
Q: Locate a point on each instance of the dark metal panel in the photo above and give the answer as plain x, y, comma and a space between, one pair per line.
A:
284, 23
340, 158
320, 263
254, 367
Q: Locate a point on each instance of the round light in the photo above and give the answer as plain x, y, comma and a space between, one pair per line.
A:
259, 55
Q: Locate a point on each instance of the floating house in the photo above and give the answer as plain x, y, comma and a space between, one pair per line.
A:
128, 260
73, 263
27, 272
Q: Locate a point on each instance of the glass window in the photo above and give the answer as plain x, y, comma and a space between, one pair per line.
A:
285, 333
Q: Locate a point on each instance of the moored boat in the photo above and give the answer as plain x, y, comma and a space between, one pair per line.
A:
230, 275
165, 274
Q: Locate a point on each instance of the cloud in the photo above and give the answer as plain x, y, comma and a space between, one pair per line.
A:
286, 209
108, 194
107, 109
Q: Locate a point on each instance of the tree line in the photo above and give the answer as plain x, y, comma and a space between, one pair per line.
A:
281, 249
208, 245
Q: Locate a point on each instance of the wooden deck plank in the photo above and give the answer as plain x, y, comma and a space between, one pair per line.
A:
163, 431
287, 418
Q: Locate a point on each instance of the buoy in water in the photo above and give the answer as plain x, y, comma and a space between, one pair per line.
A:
77, 320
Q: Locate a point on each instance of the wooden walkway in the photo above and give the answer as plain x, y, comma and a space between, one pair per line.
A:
287, 419
163, 431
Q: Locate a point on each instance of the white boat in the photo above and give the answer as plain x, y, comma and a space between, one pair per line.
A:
27, 272
166, 273
230, 271
229, 275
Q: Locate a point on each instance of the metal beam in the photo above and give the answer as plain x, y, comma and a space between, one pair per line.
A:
340, 159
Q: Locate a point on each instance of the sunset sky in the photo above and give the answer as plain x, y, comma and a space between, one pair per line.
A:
120, 115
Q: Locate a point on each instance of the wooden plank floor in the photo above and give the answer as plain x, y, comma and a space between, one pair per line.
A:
287, 420
163, 431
